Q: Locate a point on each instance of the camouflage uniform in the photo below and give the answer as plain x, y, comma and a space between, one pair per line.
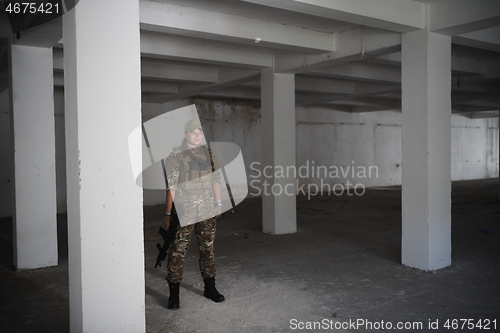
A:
194, 201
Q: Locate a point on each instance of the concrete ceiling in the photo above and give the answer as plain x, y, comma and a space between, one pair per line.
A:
345, 53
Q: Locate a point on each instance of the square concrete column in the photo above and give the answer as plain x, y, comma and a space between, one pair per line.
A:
33, 139
105, 222
278, 151
6, 169
426, 155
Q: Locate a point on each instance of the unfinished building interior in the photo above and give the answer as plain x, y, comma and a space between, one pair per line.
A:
387, 111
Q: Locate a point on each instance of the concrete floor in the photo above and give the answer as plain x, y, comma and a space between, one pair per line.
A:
342, 265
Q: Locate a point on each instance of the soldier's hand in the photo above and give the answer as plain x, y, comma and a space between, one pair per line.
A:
217, 211
166, 221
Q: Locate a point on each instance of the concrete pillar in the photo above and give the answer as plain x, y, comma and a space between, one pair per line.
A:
6, 179
278, 150
105, 222
426, 155
33, 139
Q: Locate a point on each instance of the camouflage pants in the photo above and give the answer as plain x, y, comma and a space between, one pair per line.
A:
205, 234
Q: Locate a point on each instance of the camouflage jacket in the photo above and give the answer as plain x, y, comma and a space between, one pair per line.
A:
198, 166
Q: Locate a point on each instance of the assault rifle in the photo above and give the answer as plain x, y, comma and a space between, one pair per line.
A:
168, 237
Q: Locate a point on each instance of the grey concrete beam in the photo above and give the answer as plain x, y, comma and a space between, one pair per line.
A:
459, 65
235, 92
362, 71
485, 114
361, 90
315, 84
155, 97
161, 87
193, 22
162, 70
464, 97
351, 45
45, 35
393, 15
226, 77
487, 39
199, 51
58, 79
362, 109
464, 108
456, 17
492, 73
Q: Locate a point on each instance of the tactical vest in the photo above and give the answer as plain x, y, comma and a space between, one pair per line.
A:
194, 171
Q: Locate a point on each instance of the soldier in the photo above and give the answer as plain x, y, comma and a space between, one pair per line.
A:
193, 178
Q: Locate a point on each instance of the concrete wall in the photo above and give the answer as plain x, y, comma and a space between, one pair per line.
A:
359, 140
340, 141
467, 135
329, 138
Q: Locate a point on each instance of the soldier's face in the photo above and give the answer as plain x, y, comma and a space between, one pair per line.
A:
194, 137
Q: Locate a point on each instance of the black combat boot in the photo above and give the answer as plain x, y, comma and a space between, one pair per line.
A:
173, 300
211, 292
